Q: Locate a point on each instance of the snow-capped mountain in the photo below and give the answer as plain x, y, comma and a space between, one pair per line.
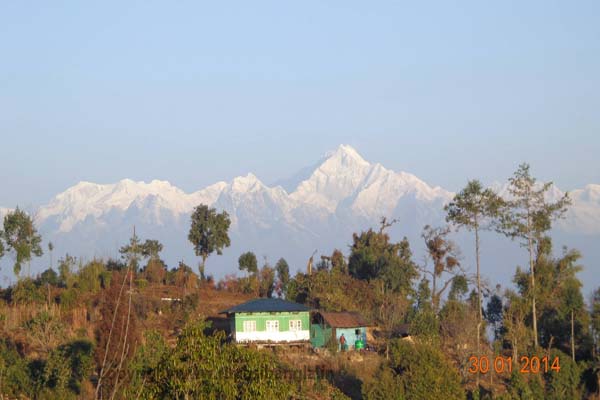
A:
318, 208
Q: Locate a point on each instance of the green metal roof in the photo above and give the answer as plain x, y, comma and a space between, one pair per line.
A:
266, 305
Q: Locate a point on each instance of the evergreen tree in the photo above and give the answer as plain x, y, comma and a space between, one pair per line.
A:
208, 233
373, 255
132, 252
595, 317
21, 237
474, 208
527, 217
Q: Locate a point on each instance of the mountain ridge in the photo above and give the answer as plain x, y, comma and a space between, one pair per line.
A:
343, 194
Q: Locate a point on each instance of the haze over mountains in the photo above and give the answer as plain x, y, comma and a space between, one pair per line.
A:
317, 209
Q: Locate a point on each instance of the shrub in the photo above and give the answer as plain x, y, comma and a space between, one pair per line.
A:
424, 371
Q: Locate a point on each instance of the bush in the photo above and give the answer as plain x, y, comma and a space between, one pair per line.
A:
26, 292
385, 385
563, 384
424, 371
204, 367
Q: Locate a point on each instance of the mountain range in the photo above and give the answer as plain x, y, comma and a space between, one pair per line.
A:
316, 209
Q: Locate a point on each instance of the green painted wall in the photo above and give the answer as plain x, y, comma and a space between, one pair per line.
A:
319, 335
262, 318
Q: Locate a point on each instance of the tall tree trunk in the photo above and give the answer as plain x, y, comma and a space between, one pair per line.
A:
479, 313
433, 296
202, 267
532, 273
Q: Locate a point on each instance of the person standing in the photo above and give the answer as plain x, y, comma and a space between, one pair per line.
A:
343, 343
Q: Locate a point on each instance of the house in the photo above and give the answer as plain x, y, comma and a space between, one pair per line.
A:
328, 325
269, 321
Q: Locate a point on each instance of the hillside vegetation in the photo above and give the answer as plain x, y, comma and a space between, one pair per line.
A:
135, 328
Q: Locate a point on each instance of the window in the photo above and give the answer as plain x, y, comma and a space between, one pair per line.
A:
249, 326
272, 326
295, 325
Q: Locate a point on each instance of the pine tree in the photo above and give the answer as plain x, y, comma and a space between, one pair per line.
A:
527, 216
474, 209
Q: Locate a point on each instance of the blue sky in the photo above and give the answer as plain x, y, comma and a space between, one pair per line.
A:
195, 92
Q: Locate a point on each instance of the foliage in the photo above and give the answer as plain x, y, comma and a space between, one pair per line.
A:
595, 317
203, 367
559, 299
475, 209
66, 268
373, 256
45, 330
21, 238
338, 261
155, 271
248, 262
151, 248
132, 252
385, 385
443, 253
208, 233
283, 277
60, 375
267, 281
526, 217
14, 377
493, 314
563, 384
424, 371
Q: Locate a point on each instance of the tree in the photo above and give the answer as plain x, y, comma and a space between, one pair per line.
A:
208, 233
493, 314
50, 248
132, 252
595, 316
474, 208
151, 249
65, 270
444, 255
203, 367
373, 255
562, 319
527, 216
338, 262
21, 237
267, 281
283, 276
424, 371
248, 262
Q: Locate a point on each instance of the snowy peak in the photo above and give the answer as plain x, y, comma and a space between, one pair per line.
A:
246, 183
343, 185
87, 199
344, 156
338, 177
346, 179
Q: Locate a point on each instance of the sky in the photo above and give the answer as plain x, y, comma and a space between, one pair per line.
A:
197, 92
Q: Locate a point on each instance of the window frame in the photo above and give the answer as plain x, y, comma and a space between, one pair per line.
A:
295, 325
272, 325
249, 323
